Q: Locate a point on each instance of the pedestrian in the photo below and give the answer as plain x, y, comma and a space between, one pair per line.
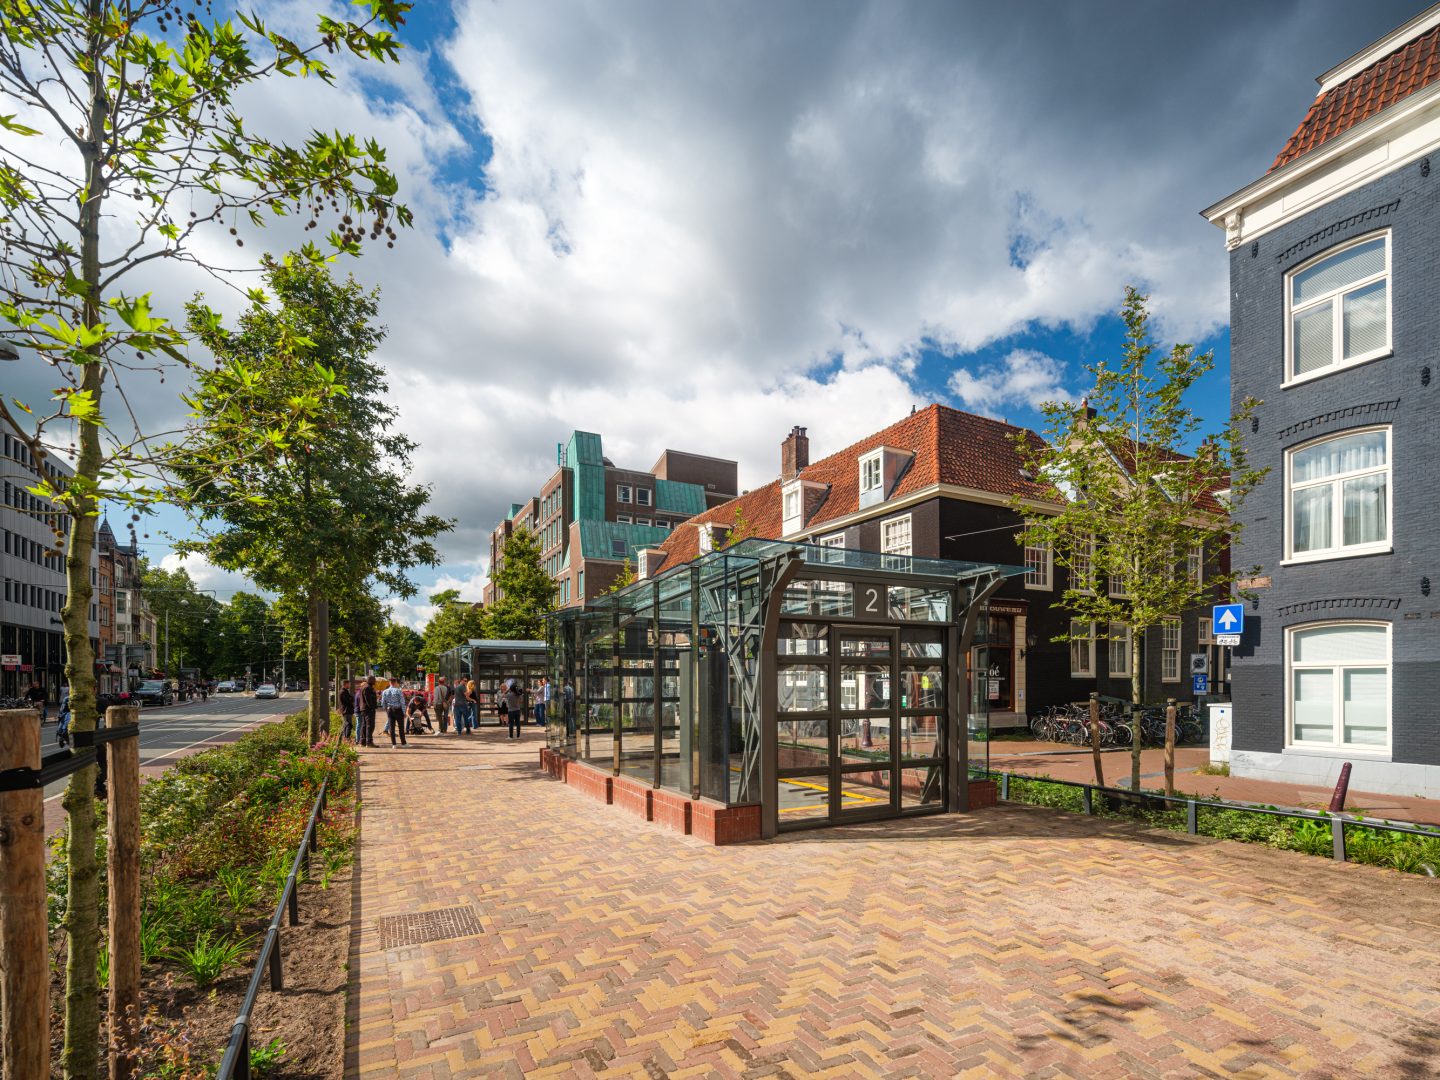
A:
472, 706
442, 704
368, 704
392, 700
347, 712
417, 714
36, 696
62, 730
543, 705
513, 700
567, 702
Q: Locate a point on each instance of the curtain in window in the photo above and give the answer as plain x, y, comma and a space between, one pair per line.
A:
1313, 331
1352, 264
1310, 518
1367, 695
1314, 705
1364, 317
1364, 509
1349, 453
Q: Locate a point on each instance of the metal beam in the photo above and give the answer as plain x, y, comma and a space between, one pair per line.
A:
958, 745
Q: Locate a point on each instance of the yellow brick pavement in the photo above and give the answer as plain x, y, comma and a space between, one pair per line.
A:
1012, 942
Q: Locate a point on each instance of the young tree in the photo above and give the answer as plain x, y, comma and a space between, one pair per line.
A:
139, 95
454, 623
399, 650
525, 592
333, 509
625, 578
1130, 503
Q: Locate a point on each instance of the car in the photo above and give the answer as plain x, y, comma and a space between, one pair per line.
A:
227, 687
155, 692
267, 690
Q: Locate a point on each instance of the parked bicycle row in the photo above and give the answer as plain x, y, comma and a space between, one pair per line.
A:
1071, 724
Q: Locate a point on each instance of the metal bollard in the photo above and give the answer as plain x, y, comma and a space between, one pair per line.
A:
1005, 786
294, 902
277, 977
1192, 817
1337, 831
1089, 802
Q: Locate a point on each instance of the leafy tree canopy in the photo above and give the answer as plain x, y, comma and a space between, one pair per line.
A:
524, 592
455, 622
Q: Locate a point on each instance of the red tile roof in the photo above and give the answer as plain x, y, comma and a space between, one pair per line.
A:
1411, 67
949, 447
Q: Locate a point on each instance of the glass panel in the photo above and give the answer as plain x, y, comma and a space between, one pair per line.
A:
922, 644
1314, 706
1349, 453
803, 639
1367, 700
1365, 316
1352, 264
850, 646
1312, 332
1310, 518
804, 744
865, 790
1363, 506
919, 605
921, 688
870, 685
920, 736
864, 739
804, 799
920, 785
803, 688
806, 597
1339, 644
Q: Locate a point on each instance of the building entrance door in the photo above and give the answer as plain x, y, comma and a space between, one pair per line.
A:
861, 722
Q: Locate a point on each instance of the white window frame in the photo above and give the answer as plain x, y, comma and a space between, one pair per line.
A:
624, 519
1040, 574
624, 493
885, 538
642, 496
642, 521
1120, 670
1333, 298
872, 462
1205, 634
1084, 582
1087, 644
1338, 746
1337, 503
1115, 586
1168, 651
1195, 564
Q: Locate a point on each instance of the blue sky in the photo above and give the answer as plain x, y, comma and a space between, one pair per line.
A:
697, 225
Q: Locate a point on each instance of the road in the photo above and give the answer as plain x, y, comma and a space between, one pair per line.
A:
170, 732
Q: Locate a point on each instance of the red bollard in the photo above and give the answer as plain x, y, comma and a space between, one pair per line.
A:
1342, 786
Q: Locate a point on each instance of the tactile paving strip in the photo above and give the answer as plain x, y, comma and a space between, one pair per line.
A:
419, 927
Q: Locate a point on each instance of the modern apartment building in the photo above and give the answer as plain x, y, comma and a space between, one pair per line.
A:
131, 654
1335, 319
593, 517
32, 565
938, 484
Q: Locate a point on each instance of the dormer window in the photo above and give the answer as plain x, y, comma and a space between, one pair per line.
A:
880, 471
870, 473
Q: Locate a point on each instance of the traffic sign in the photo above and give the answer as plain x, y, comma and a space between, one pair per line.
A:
1227, 639
1200, 684
1228, 619
1199, 663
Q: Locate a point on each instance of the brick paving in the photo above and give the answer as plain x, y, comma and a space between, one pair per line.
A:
1008, 942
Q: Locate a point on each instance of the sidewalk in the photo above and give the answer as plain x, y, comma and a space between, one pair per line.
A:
507, 926
1076, 763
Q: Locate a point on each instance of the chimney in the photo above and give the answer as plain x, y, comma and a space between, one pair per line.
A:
794, 453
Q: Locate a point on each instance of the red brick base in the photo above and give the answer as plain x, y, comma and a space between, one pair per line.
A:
632, 795
983, 793
718, 824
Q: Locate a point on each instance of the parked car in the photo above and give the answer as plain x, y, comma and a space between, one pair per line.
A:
227, 687
267, 690
155, 692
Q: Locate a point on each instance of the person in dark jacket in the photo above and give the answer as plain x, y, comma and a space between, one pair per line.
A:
368, 703
347, 712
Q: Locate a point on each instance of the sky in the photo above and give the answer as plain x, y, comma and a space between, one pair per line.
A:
694, 226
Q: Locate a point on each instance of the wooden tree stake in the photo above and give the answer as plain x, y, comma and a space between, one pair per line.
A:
124, 874
1095, 738
1170, 746
24, 932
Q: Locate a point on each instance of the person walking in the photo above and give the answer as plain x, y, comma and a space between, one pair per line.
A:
369, 702
392, 700
347, 712
543, 705
441, 699
36, 696
514, 701
472, 706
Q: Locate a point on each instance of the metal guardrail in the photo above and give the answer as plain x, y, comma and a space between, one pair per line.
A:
235, 1065
1338, 822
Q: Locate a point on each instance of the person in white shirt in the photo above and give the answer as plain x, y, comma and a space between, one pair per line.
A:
543, 705
392, 700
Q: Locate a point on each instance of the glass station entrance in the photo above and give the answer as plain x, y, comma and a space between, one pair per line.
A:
823, 685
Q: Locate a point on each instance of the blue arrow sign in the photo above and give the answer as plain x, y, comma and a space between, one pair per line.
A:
1228, 619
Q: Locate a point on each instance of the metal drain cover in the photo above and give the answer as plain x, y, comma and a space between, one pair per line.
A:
423, 926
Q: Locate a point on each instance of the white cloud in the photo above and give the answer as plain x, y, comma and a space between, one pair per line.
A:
1024, 379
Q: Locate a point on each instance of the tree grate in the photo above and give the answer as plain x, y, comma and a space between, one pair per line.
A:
422, 926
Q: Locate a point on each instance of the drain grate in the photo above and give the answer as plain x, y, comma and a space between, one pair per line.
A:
423, 926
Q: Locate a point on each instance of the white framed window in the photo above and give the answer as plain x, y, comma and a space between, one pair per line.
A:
1337, 496
1082, 649
1195, 564
642, 521
1204, 630
871, 472
1338, 309
624, 493
1118, 586
834, 540
1039, 562
642, 496
1082, 569
895, 536
624, 519
663, 523
1119, 635
1169, 650
1338, 678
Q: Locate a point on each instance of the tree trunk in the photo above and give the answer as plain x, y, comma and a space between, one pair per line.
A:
1095, 737
319, 655
1137, 684
80, 1054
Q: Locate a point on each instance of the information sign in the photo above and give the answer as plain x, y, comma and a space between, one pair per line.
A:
1227, 639
1200, 684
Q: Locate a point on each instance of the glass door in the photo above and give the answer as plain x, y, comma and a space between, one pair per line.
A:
865, 751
